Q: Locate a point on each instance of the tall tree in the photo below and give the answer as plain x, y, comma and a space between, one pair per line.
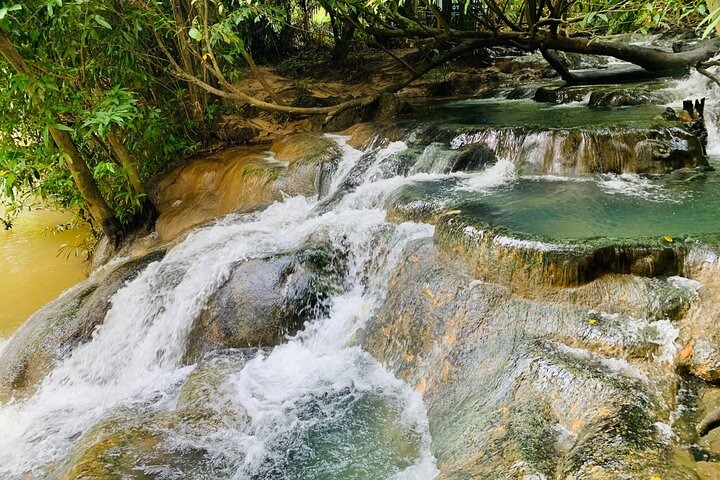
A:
97, 206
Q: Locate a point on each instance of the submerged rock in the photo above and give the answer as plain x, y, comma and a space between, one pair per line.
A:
164, 444
521, 388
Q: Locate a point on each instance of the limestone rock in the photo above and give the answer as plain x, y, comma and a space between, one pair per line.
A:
623, 98
242, 179
516, 387
577, 151
708, 470
262, 301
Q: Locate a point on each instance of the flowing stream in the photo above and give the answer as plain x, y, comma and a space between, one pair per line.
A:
317, 406
134, 358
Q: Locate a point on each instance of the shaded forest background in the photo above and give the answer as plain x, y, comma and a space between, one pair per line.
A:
98, 96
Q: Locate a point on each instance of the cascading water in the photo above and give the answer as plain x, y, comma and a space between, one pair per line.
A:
134, 359
318, 406
694, 87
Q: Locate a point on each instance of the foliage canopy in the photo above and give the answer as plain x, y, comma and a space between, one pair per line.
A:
99, 95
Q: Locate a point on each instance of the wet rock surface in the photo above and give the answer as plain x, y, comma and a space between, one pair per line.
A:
518, 387
147, 443
654, 150
263, 301
623, 98
498, 254
242, 179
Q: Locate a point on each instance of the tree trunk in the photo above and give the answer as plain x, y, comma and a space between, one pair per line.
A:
197, 96
127, 161
260, 78
148, 213
648, 58
622, 74
97, 206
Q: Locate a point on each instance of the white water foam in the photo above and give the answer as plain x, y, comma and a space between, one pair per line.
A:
684, 283
530, 244
556, 178
618, 367
697, 86
583, 102
135, 357
633, 185
501, 173
665, 337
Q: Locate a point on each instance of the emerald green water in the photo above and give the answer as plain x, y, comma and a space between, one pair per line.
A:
530, 113
617, 206
620, 207
557, 207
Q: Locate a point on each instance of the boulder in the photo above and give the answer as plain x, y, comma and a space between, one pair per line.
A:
625, 97
263, 301
560, 95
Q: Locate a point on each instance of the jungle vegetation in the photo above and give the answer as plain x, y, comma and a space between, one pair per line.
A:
97, 96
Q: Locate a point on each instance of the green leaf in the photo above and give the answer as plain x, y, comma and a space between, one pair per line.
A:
12, 8
102, 22
715, 17
64, 128
194, 33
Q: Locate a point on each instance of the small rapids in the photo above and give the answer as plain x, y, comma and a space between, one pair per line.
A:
134, 359
319, 406
697, 86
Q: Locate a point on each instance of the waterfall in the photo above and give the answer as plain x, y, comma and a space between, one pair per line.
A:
134, 358
697, 86
281, 404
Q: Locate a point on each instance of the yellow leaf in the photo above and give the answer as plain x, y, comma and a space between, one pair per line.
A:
656, 478
592, 321
668, 239
453, 212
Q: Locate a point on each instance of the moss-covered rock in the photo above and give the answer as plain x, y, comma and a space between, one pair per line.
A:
510, 258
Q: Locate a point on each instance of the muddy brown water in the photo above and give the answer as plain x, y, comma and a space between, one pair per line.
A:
36, 265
